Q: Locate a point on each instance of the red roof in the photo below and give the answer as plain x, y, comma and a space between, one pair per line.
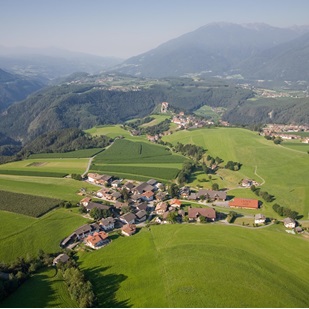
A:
175, 202
96, 237
148, 194
244, 203
129, 229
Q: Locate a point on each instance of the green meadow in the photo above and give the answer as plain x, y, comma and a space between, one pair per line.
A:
83, 153
22, 235
201, 266
60, 188
45, 289
138, 159
46, 165
296, 145
111, 131
285, 172
157, 119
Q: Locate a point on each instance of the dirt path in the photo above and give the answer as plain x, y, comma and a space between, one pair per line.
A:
255, 173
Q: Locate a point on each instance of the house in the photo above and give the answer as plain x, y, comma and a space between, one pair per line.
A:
128, 218
129, 186
212, 195
128, 229
85, 201
289, 223
142, 206
148, 196
92, 205
97, 240
175, 203
161, 208
141, 216
86, 230
119, 205
298, 230
152, 182
104, 192
107, 223
136, 198
143, 187
247, 183
116, 184
259, 219
185, 192
62, 258
116, 195
107, 179
192, 197
68, 240
195, 213
244, 203
161, 196
94, 177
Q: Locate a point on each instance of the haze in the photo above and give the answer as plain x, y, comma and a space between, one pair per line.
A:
122, 28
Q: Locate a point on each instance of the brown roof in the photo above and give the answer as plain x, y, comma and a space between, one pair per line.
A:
206, 212
244, 202
175, 202
129, 216
129, 229
120, 205
161, 206
148, 194
212, 194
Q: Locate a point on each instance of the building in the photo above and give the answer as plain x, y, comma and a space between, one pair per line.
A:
259, 219
244, 203
289, 223
97, 240
212, 195
107, 223
62, 258
128, 218
128, 229
195, 213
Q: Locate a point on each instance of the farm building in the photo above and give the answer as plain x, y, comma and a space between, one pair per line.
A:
289, 223
195, 213
212, 195
244, 203
62, 258
259, 219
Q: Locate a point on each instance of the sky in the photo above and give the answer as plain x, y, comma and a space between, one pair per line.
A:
126, 28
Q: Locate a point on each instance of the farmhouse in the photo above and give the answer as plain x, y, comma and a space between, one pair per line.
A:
128, 186
107, 223
142, 206
289, 223
85, 201
97, 240
143, 187
212, 195
259, 219
175, 203
62, 258
244, 203
85, 230
147, 196
141, 216
161, 208
128, 229
128, 218
195, 213
92, 205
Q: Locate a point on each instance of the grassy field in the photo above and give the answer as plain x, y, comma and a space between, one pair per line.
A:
157, 119
285, 172
46, 165
138, 159
22, 235
60, 188
296, 145
111, 131
84, 153
44, 290
201, 266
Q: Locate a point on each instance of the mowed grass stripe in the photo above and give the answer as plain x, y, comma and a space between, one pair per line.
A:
203, 266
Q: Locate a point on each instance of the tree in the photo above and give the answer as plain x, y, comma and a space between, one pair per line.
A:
125, 194
202, 219
173, 190
171, 217
95, 213
215, 186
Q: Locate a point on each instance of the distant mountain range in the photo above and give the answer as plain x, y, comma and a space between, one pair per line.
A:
16, 88
252, 50
51, 63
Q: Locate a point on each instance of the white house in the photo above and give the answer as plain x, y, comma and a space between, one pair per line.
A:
259, 219
289, 223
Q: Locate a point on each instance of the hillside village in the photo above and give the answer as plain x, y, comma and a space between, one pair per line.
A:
126, 206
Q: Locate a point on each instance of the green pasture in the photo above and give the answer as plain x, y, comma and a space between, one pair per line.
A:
60, 188
45, 289
285, 172
22, 235
201, 266
207, 112
111, 131
296, 145
157, 119
47, 165
83, 153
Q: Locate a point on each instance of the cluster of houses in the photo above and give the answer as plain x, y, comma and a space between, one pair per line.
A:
284, 131
190, 122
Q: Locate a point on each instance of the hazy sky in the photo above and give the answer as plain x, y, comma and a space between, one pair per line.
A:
125, 28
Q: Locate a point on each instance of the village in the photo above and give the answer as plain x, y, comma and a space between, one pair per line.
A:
129, 205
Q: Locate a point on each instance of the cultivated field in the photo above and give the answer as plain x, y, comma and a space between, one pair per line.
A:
201, 266
44, 290
83, 153
138, 160
285, 172
111, 131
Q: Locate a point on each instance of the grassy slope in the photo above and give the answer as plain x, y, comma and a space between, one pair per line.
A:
67, 166
157, 119
201, 266
21, 235
285, 171
62, 188
49, 287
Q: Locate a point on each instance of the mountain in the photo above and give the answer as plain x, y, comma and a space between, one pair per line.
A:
51, 63
286, 61
216, 48
86, 105
16, 88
